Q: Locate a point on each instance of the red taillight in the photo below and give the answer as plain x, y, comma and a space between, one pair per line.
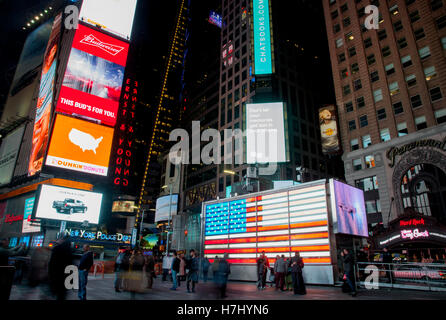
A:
441, 273
66, 204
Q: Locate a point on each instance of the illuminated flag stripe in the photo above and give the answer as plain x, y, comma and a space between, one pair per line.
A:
216, 237
309, 236
273, 233
298, 213
307, 230
243, 240
281, 200
318, 200
308, 207
275, 222
274, 211
223, 241
252, 234
274, 206
309, 218
274, 195
307, 190
217, 246
242, 245
307, 195
316, 260
308, 242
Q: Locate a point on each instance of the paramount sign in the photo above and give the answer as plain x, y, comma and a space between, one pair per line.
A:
394, 152
107, 47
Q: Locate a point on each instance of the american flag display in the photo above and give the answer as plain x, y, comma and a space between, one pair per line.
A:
282, 222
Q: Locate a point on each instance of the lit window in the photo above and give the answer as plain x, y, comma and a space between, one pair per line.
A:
406, 61
385, 135
420, 123
402, 129
390, 69
394, 10
339, 42
354, 144
366, 141
394, 88
378, 95
370, 161
425, 52
430, 72
357, 164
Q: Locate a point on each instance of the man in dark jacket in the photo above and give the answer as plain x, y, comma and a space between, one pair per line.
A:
224, 269
297, 264
85, 265
192, 275
175, 269
61, 257
387, 260
349, 270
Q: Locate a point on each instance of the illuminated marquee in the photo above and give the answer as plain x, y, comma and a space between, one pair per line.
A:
262, 38
278, 223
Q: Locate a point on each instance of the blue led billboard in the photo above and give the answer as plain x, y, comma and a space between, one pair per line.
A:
262, 38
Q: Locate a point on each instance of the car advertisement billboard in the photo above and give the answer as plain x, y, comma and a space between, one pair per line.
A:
349, 213
262, 38
115, 16
265, 125
329, 130
66, 204
45, 101
93, 79
80, 146
28, 225
162, 208
9, 151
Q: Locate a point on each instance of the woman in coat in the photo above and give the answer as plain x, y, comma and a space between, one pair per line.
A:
297, 264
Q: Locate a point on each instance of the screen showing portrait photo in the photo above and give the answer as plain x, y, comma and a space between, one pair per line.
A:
349, 213
66, 204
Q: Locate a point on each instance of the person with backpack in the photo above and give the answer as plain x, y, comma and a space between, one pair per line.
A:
297, 264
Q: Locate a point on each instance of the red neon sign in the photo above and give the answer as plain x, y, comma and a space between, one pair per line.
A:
412, 222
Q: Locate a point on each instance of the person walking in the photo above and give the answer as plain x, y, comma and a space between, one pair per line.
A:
297, 264
175, 270
280, 271
224, 269
192, 276
61, 257
150, 270
135, 278
182, 273
387, 260
349, 274
167, 263
85, 265
215, 267
118, 270
205, 265
261, 272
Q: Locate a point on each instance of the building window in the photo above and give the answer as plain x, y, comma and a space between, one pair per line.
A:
344, 7
402, 43
367, 42
366, 141
369, 162
414, 16
341, 57
381, 113
354, 144
440, 115
382, 34
378, 95
406, 61
346, 90
355, 68
344, 73
367, 184
360, 102
402, 129
398, 108
435, 94
390, 69
357, 164
441, 22
351, 51
372, 206
339, 42
352, 125
386, 51
398, 26
436, 4
420, 123
394, 88
349, 107
363, 122
346, 22
411, 80
371, 59
385, 135
443, 42
419, 34
357, 84
415, 101
430, 72
425, 52
336, 28
374, 76
409, 2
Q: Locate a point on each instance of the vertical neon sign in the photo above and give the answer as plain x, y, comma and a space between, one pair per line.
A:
262, 38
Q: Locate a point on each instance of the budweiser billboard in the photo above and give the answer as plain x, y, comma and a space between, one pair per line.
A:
93, 79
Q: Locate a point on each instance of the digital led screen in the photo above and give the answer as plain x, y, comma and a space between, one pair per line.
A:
262, 38
93, 79
115, 16
149, 241
66, 204
265, 142
28, 226
80, 146
215, 19
329, 130
123, 206
45, 101
162, 207
277, 223
9, 151
349, 213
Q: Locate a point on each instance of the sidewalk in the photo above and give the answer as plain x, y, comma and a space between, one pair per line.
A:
102, 289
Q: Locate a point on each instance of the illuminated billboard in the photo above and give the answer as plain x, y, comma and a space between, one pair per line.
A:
262, 38
80, 146
93, 79
115, 16
45, 101
66, 204
123, 206
349, 213
162, 207
215, 19
28, 226
9, 151
265, 126
329, 130
281, 222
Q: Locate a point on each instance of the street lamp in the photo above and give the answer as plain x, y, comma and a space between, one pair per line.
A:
170, 216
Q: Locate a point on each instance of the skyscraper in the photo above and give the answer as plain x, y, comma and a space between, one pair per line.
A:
390, 86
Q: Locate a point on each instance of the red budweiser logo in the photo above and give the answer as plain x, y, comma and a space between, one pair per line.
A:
107, 47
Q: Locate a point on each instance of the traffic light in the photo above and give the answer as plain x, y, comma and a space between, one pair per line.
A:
185, 233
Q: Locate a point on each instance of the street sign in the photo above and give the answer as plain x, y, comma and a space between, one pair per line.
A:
63, 227
134, 234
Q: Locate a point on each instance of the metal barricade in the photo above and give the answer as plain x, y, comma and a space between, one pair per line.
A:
412, 276
6, 280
